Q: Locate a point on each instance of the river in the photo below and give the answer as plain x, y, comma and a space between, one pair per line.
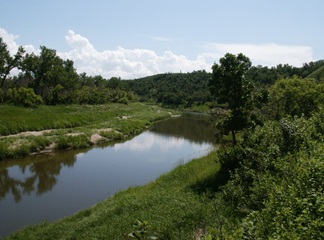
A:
47, 187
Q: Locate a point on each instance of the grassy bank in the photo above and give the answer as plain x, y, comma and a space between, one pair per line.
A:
171, 207
32, 130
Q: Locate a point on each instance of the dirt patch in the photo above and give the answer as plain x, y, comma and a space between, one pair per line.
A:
73, 134
47, 149
28, 133
95, 138
104, 130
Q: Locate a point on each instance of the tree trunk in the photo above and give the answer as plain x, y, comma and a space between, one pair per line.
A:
233, 137
3, 79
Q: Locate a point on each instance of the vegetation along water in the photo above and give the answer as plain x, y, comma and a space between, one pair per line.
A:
265, 182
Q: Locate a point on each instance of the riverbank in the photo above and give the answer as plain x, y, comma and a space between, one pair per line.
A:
25, 131
175, 206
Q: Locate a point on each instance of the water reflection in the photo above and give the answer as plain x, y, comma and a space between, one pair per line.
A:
33, 174
148, 141
199, 128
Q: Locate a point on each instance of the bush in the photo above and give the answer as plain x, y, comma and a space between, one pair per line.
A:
25, 97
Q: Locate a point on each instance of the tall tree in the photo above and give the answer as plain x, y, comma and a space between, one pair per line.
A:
229, 86
8, 62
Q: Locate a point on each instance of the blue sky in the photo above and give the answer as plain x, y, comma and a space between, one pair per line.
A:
135, 38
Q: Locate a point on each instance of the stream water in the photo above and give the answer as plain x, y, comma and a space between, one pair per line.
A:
47, 187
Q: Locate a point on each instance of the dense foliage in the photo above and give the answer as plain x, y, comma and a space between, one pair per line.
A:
187, 89
295, 97
173, 89
277, 179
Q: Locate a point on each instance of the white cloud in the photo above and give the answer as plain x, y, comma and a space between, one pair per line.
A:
262, 54
125, 63
135, 63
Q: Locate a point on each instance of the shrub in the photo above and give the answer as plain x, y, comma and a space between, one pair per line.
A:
25, 97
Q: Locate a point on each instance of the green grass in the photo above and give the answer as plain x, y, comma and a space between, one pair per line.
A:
15, 119
71, 126
318, 74
171, 205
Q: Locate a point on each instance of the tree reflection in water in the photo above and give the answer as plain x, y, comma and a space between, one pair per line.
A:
36, 173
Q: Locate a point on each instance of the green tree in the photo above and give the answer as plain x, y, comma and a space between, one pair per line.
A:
51, 74
7, 62
229, 86
294, 97
114, 83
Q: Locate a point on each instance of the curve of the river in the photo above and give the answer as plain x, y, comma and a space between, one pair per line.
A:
48, 187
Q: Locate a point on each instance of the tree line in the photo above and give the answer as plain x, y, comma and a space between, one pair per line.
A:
188, 89
48, 79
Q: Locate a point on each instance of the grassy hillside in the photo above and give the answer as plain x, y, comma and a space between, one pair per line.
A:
318, 74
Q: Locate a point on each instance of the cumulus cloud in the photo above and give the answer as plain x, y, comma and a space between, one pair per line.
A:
125, 63
135, 63
262, 54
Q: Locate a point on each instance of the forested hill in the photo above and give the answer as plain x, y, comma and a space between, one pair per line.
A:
186, 89
269, 75
173, 88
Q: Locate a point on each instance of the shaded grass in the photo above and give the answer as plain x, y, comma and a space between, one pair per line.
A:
169, 204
